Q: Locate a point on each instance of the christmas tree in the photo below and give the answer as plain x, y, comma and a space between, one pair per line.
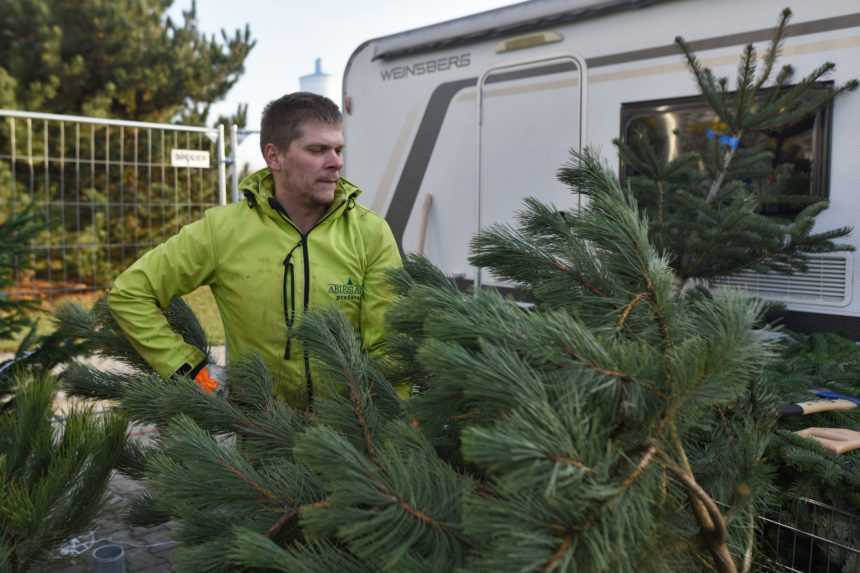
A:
732, 206
618, 426
821, 361
54, 467
619, 423
820, 491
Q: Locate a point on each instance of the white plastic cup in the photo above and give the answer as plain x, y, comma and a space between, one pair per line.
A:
109, 558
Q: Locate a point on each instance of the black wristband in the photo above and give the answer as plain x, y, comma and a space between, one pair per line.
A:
190, 371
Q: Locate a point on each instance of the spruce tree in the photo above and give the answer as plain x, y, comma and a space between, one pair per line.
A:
805, 469
710, 210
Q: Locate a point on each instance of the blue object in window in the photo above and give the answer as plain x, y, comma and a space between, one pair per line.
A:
724, 139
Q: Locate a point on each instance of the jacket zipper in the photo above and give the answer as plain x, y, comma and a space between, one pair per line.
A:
289, 300
309, 385
307, 268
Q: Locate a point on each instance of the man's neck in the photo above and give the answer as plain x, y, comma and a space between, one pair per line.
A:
302, 215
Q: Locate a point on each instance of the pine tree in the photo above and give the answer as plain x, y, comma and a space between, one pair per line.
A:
709, 209
53, 470
617, 426
121, 59
620, 423
110, 58
53, 475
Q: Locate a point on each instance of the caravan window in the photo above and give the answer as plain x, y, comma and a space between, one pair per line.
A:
681, 124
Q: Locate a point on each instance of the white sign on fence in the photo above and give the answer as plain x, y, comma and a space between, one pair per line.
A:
189, 158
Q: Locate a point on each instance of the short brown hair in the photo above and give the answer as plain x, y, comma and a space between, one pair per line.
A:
283, 117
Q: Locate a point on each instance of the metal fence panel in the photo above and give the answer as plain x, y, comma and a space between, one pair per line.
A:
110, 190
808, 536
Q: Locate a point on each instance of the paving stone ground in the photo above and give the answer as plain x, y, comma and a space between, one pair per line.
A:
147, 550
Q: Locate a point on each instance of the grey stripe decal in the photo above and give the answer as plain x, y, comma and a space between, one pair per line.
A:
406, 192
531, 72
419, 156
763, 35
418, 159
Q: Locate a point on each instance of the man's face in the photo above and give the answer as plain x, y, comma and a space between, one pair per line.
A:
309, 169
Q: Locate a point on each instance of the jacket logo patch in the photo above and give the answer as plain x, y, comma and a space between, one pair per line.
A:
346, 291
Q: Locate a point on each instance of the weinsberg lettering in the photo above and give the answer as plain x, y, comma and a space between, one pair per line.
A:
426, 67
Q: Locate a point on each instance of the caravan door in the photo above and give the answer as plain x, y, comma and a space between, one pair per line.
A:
530, 114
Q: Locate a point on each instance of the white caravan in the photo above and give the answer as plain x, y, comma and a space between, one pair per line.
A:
549, 75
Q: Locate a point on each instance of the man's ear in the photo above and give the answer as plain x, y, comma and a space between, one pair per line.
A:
272, 156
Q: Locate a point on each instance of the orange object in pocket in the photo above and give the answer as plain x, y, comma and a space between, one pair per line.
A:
205, 381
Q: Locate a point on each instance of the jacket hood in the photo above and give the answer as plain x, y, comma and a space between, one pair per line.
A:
260, 186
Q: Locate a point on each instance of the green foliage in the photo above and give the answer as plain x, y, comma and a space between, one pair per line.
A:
16, 233
698, 354
96, 331
588, 433
79, 331
806, 470
53, 473
53, 469
119, 59
109, 58
619, 424
825, 361
708, 210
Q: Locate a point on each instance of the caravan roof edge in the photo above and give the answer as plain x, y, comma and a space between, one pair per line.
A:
514, 19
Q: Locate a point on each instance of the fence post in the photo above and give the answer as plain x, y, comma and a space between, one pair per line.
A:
234, 152
222, 167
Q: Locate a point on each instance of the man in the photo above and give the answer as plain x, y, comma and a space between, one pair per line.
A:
299, 241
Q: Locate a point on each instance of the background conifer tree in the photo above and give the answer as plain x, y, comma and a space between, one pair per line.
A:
115, 58
16, 232
710, 209
118, 59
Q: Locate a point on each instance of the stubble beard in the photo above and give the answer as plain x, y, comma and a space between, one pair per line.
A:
322, 196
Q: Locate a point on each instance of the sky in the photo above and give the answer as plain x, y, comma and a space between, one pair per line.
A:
291, 34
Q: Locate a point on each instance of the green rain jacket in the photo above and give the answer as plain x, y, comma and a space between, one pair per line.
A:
264, 274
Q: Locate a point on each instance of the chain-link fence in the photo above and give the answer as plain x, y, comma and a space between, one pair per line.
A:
109, 190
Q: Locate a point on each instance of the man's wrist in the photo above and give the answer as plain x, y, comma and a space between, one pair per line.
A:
189, 371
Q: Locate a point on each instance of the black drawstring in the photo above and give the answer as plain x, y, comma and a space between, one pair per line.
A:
289, 312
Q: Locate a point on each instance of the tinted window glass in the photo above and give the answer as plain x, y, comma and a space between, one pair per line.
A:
682, 125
